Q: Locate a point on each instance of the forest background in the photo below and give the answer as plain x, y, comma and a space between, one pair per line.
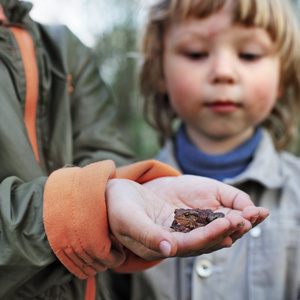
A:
113, 29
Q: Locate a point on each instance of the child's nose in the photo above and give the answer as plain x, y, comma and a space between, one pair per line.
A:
223, 69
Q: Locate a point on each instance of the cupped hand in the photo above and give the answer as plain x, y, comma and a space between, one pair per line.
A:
140, 215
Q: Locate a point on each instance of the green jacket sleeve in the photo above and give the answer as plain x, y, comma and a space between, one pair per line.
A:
24, 248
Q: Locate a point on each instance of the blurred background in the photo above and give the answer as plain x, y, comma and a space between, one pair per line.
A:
112, 28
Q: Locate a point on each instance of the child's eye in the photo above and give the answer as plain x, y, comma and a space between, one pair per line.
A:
196, 55
249, 56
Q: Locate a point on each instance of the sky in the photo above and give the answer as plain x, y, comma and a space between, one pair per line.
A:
81, 16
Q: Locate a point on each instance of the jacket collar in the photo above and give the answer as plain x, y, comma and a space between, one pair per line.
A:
16, 11
265, 167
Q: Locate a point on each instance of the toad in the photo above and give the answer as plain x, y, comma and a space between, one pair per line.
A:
186, 220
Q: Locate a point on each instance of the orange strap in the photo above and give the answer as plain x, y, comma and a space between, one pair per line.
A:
90, 293
26, 46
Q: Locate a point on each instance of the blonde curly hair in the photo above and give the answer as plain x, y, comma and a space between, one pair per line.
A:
275, 16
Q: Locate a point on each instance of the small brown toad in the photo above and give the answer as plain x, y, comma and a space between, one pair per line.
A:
186, 220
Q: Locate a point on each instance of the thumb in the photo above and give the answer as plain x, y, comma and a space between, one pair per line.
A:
152, 243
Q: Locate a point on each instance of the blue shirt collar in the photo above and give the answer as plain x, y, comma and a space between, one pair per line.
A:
228, 165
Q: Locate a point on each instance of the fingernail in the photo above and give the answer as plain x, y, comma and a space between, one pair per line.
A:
241, 225
253, 219
165, 248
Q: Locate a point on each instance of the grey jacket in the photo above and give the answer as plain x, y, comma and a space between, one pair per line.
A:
264, 264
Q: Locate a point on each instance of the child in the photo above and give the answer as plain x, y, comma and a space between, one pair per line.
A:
62, 225
229, 69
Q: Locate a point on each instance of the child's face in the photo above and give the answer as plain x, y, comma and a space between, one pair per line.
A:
222, 78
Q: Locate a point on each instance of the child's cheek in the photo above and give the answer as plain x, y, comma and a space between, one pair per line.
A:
263, 85
265, 96
181, 89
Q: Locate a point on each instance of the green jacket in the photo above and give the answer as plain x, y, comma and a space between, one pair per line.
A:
75, 125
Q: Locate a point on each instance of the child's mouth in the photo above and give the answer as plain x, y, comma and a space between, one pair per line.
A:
223, 106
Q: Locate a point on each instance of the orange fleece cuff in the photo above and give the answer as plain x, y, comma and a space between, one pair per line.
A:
75, 216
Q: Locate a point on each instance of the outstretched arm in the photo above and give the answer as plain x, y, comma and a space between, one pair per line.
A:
98, 217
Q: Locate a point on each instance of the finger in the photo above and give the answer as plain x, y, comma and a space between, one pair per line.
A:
238, 225
162, 251
255, 214
251, 213
143, 243
203, 238
226, 242
142, 236
264, 213
241, 231
233, 197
